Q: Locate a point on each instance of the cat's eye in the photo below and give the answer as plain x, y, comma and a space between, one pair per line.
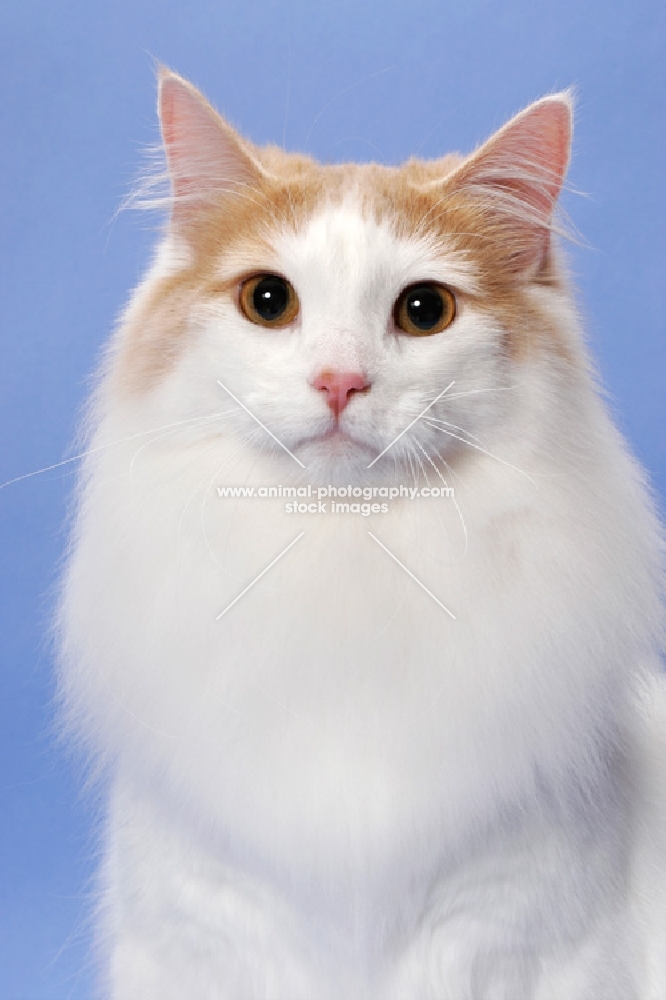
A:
424, 309
269, 300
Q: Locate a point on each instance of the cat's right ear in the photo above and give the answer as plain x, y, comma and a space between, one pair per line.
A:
207, 160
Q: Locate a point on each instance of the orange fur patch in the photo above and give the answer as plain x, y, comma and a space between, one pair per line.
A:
415, 198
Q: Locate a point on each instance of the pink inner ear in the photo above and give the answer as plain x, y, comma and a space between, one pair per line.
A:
204, 155
533, 151
519, 173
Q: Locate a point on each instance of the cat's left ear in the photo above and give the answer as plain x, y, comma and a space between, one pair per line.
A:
206, 158
516, 177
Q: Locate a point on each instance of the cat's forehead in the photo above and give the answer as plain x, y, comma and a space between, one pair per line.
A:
360, 218
400, 195
345, 243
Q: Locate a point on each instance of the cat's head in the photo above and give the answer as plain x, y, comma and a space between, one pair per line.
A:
331, 304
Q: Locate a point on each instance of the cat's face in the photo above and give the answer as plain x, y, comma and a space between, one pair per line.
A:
335, 303
341, 379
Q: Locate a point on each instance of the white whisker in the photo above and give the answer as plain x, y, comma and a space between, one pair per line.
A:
421, 466
490, 454
447, 423
492, 388
209, 418
105, 447
462, 519
411, 423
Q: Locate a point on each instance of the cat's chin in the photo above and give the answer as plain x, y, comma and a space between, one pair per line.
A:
337, 453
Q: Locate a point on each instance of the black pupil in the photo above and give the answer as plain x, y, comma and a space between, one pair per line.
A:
424, 307
271, 297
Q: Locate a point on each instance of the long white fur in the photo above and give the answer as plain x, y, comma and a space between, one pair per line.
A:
337, 791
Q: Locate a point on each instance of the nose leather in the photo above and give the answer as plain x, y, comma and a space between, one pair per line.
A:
339, 387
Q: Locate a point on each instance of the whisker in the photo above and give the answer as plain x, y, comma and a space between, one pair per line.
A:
105, 447
462, 519
424, 472
447, 423
474, 392
209, 418
411, 465
490, 454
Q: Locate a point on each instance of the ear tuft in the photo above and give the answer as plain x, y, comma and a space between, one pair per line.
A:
519, 173
205, 156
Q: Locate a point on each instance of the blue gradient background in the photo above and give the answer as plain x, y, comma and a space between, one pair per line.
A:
342, 80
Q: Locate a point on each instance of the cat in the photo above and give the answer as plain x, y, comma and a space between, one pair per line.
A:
409, 748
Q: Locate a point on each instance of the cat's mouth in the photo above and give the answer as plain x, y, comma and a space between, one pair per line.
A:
335, 437
336, 434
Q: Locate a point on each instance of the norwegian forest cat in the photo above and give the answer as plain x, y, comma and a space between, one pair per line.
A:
394, 731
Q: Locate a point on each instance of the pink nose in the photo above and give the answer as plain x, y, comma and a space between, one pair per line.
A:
339, 386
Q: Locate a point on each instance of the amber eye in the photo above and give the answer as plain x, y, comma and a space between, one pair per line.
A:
422, 310
269, 300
